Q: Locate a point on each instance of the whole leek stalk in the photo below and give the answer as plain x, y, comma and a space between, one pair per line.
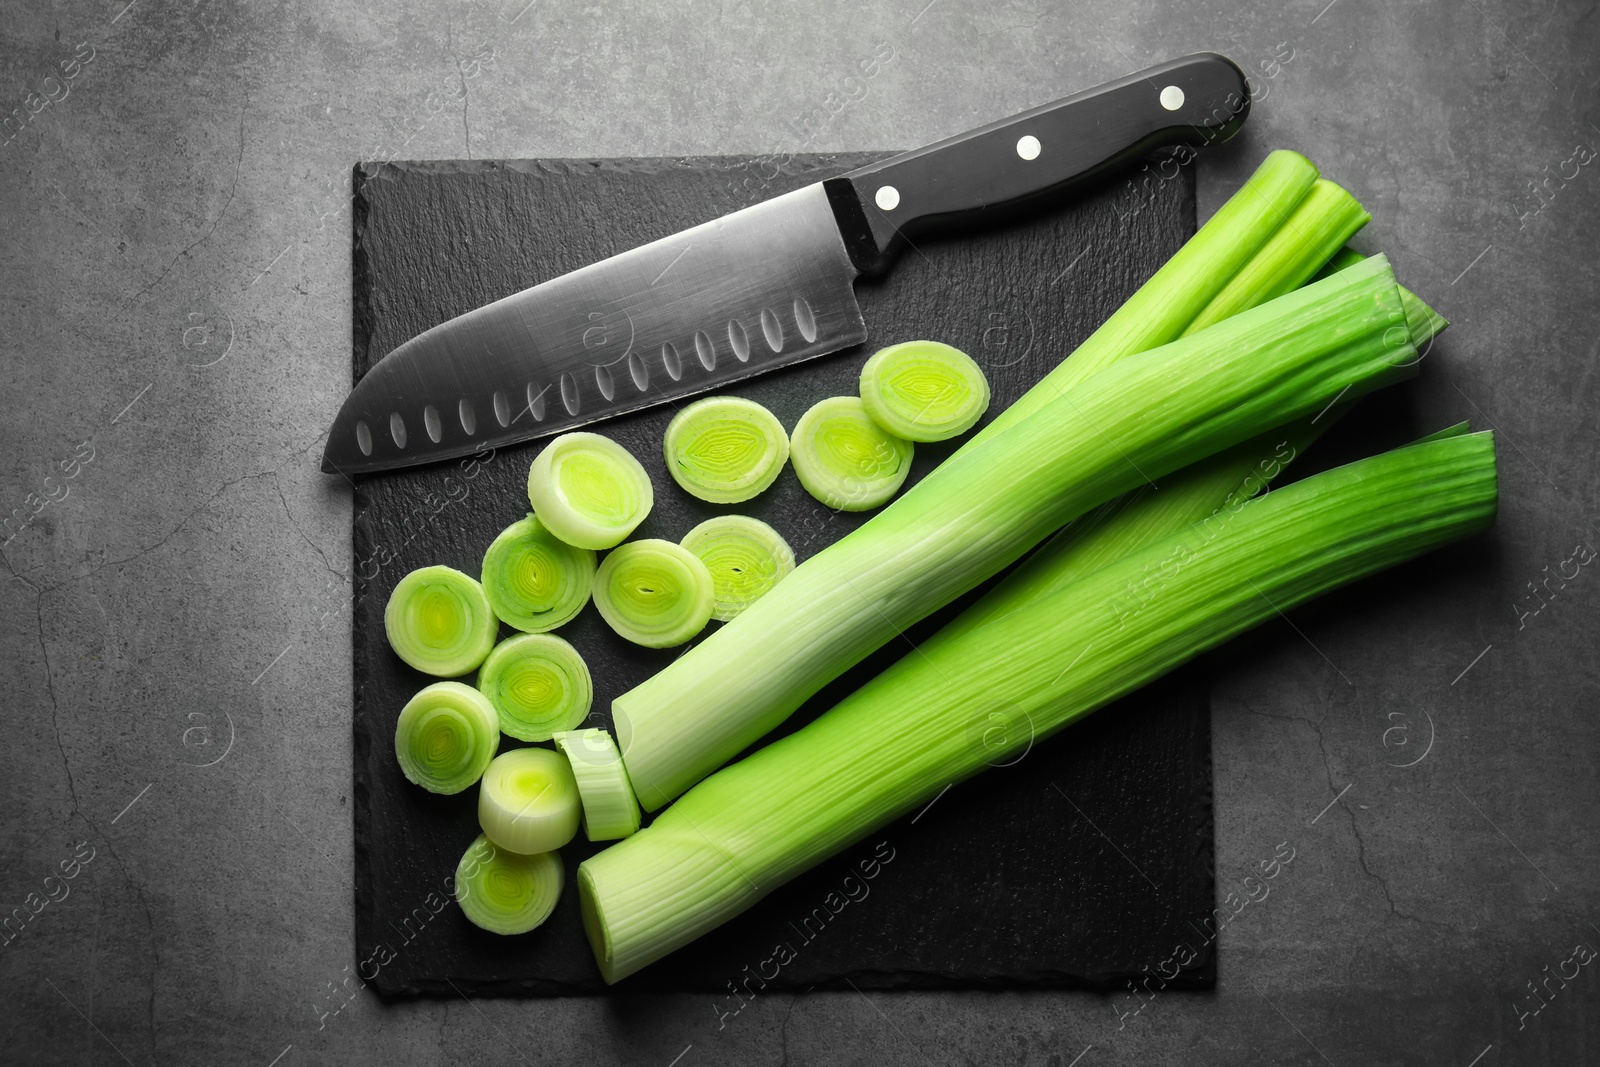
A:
1137, 420
903, 737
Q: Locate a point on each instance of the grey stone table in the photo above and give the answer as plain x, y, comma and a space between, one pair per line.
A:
175, 316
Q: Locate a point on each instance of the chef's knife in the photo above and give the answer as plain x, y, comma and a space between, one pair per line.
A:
758, 289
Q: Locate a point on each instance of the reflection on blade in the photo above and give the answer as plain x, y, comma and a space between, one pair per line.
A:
755, 290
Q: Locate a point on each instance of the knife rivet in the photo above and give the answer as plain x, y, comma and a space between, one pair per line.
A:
887, 197
1172, 98
1028, 146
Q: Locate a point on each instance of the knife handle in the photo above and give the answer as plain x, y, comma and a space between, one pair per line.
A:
1050, 150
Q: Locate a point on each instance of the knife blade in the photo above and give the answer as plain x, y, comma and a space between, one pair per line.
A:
761, 288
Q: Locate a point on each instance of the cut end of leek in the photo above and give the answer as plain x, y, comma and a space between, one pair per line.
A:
924, 390
446, 737
845, 459
654, 593
505, 893
439, 621
745, 556
538, 683
589, 490
1423, 322
610, 810
725, 449
595, 928
528, 802
534, 580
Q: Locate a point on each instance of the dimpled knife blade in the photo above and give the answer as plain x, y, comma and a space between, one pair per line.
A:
761, 288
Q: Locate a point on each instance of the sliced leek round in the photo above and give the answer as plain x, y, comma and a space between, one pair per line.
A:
439, 621
610, 811
534, 580
924, 390
654, 593
528, 801
446, 737
589, 490
538, 684
845, 459
745, 556
506, 893
725, 449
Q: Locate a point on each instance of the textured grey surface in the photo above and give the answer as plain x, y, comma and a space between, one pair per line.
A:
174, 290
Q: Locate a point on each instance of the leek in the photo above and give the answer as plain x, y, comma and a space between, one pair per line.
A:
924, 390
439, 621
610, 811
1177, 293
1320, 224
528, 802
845, 459
654, 593
924, 723
505, 893
589, 490
981, 509
1423, 321
1208, 491
725, 449
534, 580
745, 556
539, 684
446, 736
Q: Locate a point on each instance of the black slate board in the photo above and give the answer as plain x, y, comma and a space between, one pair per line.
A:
1081, 864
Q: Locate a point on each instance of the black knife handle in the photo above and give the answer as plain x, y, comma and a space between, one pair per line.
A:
1049, 150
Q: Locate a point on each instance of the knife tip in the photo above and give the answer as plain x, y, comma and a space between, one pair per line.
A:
330, 465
